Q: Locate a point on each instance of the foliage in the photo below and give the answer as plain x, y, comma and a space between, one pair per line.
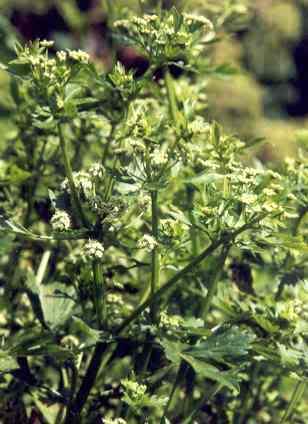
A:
144, 260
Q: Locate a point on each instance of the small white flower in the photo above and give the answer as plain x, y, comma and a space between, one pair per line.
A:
46, 43
114, 421
198, 126
143, 201
79, 56
269, 192
83, 183
96, 170
158, 157
147, 242
62, 55
115, 298
270, 206
60, 221
93, 249
60, 102
248, 198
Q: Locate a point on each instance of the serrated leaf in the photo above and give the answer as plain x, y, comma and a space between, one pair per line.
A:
229, 344
173, 350
206, 370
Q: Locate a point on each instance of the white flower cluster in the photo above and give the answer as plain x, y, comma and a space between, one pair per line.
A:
96, 170
47, 43
79, 56
198, 126
115, 299
93, 249
120, 76
60, 221
61, 55
159, 36
83, 182
147, 242
134, 389
158, 157
171, 227
114, 421
143, 202
167, 321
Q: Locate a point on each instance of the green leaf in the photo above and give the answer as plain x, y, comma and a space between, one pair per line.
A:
37, 343
12, 174
7, 362
56, 306
173, 350
89, 335
206, 370
230, 344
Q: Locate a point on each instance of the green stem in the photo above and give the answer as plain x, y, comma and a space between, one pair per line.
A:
193, 233
28, 235
110, 9
170, 285
214, 280
296, 396
99, 296
74, 379
155, 251
101, 355
69, 174
245, 408
173, 104
199, 405
107, 145
179, 376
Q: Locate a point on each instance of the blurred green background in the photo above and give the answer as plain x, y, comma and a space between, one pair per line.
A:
268, 49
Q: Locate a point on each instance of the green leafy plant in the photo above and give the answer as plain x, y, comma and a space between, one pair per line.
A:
150, 272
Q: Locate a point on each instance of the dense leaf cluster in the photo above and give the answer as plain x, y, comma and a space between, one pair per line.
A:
149, 270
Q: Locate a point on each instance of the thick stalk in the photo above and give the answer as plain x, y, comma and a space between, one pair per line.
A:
155, 252
101, 352
99, 297
79, 215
